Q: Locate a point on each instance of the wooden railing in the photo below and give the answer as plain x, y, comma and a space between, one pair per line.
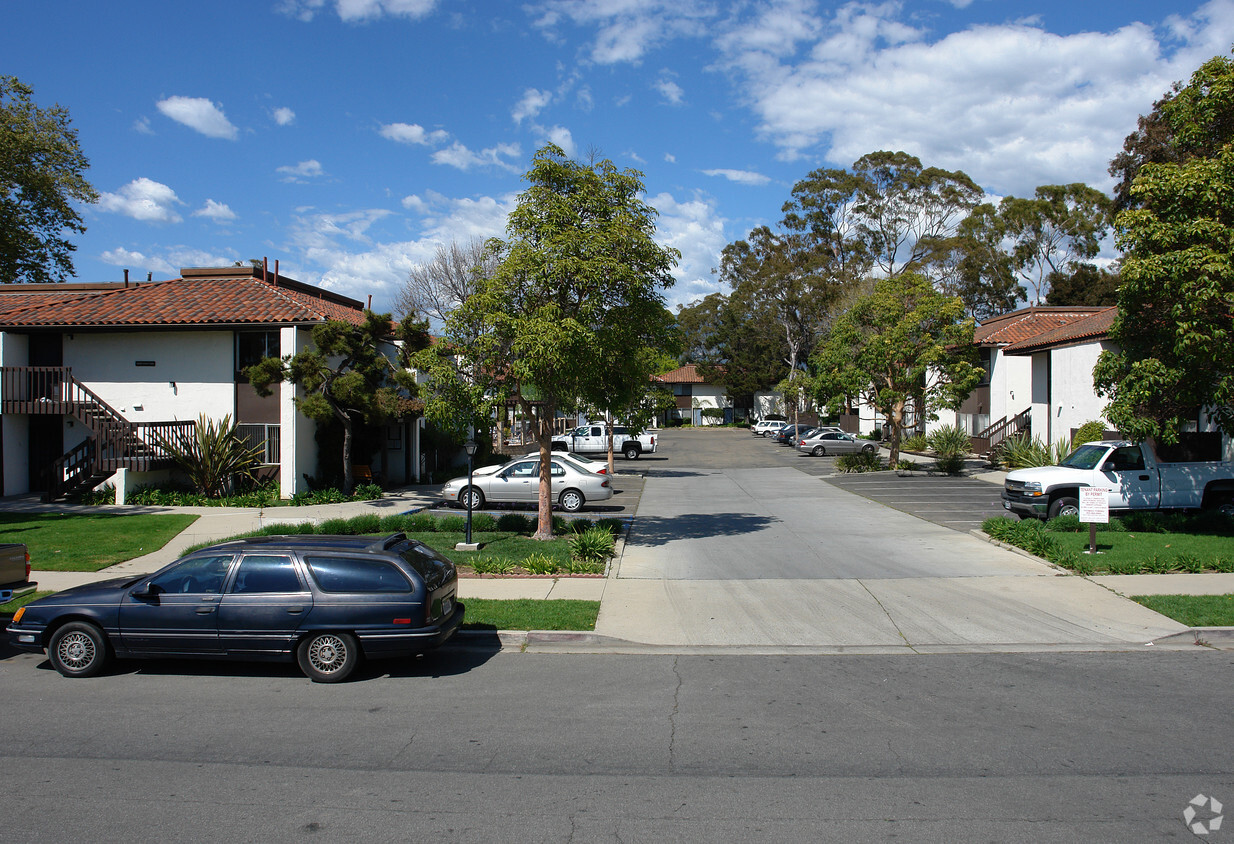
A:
993, 435
116, 443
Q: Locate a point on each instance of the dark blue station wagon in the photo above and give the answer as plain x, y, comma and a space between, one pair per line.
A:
324, 601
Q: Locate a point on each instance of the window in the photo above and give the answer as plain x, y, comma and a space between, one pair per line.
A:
526, 469
261, 573
346, 574
199, 575
263, 435
253, 346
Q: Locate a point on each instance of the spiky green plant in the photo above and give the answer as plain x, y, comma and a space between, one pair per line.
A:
212, 455
949, 441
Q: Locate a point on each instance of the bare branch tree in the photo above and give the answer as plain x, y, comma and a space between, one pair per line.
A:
435, 289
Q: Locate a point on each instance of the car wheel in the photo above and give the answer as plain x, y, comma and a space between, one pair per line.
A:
328, 657
78, 649
476, 497
1065, 506
572, 501
631, 452
818, 451
1223, 504
867, 449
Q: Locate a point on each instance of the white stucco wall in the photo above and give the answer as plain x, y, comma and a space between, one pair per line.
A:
14, 351
299, 449
1073, 400
193, 372
1011, 385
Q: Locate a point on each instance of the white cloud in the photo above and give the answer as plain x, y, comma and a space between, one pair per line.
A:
694, 228
381, 269
168, 264
670, 158
670, 90
200, 114
626, 30
1012, 105
302, 172
744, 177
560, 136
412, 133
533, 102
360, 10
142, 126
283, 116
217, 211
143, 199
462, 158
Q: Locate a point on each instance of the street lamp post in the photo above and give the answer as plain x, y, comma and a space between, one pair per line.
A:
470, 446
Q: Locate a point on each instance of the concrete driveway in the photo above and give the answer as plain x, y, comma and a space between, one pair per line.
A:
733, 548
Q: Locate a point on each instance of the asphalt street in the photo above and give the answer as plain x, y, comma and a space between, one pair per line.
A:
473, 746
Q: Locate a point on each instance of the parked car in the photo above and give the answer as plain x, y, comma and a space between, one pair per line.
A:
1132, 475
15, 572
789, 434
593, 439
763, 427
518, 482
323, 601
834, 441
600, 467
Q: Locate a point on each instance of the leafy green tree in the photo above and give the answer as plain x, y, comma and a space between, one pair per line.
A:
740, 350
578, 282
975, 265
347, 375
1059, 227
1086, 284
41, 168
906, 346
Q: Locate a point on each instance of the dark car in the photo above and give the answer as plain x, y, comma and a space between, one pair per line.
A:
789, 434
323, 601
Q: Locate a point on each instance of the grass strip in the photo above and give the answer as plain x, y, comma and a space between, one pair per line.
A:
530, 614
1191, 610
90, 541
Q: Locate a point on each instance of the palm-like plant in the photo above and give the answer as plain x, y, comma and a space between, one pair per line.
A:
213, 455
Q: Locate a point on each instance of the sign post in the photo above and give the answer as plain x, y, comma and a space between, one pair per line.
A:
1095, 510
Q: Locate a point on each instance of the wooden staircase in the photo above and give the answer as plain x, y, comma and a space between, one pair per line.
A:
986, 441
114, 442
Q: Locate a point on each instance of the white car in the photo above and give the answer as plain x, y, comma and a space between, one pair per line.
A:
763, 427
518, 482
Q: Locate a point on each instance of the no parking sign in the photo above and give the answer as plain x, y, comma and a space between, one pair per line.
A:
1095, 510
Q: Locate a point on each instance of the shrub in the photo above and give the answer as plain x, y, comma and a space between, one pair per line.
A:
398, 523
917, 442
852, 463
1023, 452
452, 524
368, 523
492, 565
514, 523
1087, 433
212, 454
950, 464
585, 566
333, 527
367, 492
483, 522
614, 526
422, 522
592, 545
949, 441
540, 564
906, 465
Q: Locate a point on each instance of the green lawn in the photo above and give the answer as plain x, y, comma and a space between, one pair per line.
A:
530, 614
1191, 610
89, 541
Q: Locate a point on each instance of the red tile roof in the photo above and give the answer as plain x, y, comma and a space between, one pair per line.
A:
200, 298
1028, 323
1091, 327
687, 374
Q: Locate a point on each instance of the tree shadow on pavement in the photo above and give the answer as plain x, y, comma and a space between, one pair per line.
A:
658, 530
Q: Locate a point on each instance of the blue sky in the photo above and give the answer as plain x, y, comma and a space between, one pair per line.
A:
348, 138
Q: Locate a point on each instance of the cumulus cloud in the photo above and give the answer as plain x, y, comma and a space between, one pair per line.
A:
143, 199
302, 172
199, 114
744, 177
283, 116
560, 136
1013, 105
694, 228
217, 211
628, 30
380, 269
670, 91
142, 126
167, 264
360, 10
533, 102
412, 133
462, 158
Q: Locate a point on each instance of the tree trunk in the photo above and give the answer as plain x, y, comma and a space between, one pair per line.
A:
348, 480
544, 437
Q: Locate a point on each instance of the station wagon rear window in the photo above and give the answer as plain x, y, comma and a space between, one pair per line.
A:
348, 574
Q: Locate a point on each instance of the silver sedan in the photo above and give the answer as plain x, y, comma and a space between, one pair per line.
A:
835, 442
518, 482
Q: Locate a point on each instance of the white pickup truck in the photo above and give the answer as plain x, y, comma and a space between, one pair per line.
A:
593, 439
1132, 474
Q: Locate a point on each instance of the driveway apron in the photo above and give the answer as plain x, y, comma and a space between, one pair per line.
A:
773, 559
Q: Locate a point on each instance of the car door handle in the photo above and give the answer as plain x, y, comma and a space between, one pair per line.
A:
205, 610
1144, 477
295, 610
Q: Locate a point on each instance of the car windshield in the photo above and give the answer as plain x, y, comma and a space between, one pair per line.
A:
1085, 457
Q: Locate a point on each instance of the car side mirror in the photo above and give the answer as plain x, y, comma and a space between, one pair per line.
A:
148, 591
